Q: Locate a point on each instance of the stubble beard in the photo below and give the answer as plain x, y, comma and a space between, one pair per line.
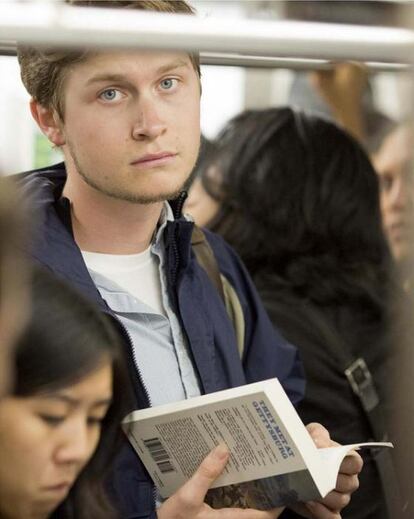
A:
120, 194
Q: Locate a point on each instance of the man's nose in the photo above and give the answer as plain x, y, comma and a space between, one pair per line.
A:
149, 124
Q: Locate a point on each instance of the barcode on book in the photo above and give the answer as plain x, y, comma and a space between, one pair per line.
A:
159, 455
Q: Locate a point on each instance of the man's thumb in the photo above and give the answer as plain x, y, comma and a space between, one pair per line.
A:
209, 470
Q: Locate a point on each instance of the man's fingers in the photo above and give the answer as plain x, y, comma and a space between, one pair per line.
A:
247, 513
346, 483
320, 511
352, 464
212, 466
319, 435
336, 501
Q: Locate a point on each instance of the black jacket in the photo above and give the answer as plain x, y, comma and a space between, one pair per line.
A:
329, 398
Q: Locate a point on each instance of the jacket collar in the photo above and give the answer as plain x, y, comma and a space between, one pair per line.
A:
53, 245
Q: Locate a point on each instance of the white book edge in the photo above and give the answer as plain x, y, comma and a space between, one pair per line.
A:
190, 403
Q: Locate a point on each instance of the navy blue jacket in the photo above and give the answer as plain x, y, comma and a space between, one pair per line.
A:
200, 309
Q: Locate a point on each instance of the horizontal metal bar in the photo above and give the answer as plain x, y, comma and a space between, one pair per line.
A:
8, 48
244, 60
61, 25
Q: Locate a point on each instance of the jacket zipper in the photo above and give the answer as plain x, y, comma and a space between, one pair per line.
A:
134, 359
141, 381
177, 214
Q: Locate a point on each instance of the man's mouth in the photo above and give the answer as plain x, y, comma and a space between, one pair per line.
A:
154, 159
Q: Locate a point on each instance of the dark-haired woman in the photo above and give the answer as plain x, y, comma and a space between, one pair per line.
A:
60, 426
298, 199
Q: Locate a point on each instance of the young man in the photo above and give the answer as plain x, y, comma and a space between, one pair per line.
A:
128, 126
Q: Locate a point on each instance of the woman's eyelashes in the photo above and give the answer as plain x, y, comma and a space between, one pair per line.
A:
95, 420
54, 419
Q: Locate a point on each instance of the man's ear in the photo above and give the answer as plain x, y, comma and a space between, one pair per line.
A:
49, 122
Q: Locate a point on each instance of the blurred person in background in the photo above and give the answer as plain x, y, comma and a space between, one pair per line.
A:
389, 142
343, 91
393, 162
59, 427
344, 95
298, 199
13, 279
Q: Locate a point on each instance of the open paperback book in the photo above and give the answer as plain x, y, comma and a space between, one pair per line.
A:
273, 460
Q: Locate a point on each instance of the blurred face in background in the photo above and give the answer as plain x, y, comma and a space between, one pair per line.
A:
14, 282
14, 308
45, 441
200, 205
393, 163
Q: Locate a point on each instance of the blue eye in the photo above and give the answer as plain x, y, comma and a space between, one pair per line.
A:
109, 95
168, 83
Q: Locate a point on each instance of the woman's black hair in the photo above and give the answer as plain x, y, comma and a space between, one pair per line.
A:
66, 339
299, 201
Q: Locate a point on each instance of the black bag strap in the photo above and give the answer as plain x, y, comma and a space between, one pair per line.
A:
362, 384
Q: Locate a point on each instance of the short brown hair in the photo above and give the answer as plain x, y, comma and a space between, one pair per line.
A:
43, 71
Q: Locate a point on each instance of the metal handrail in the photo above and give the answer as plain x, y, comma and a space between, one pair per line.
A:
9, 48
54, 23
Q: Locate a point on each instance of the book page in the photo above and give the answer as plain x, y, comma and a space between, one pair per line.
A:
332, 457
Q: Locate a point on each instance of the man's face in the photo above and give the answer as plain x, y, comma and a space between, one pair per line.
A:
131, 126
393, 163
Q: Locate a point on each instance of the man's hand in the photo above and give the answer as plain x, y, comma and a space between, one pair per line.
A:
188, 501
330, 507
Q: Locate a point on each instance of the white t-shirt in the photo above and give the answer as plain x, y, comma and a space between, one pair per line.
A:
137, 274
